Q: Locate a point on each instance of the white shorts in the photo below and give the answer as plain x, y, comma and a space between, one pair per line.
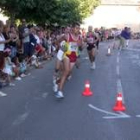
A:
60, 55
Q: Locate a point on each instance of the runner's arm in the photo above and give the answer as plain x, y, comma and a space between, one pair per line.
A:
59, 40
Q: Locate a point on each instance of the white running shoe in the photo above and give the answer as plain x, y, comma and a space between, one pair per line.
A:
23, 75
93, 66
54, 80
59, 94
55, 87
18, 78
69, 77
11, 84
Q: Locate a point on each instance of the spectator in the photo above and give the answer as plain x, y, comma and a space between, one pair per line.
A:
13, 43
3, 41
125, 36
24, 36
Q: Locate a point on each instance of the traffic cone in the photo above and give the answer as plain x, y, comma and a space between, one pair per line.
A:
119, 103
87, 91
108, 51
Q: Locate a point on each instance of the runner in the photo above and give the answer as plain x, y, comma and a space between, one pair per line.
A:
72, 41
98, 34
91, 40
61, 48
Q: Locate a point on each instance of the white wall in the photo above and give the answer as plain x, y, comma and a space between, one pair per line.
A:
115, 16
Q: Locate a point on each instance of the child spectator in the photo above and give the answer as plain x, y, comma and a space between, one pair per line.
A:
10, 68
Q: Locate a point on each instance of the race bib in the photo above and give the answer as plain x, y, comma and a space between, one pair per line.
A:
60, 55
73, 47
90, 40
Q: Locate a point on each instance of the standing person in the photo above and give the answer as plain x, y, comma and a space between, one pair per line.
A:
124, 37
3, 41
97, 32
91, 40
70, 56
25, 38
13, 44
128, 37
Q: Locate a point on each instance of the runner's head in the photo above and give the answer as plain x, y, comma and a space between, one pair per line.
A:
90, 28
67, 29
75, 28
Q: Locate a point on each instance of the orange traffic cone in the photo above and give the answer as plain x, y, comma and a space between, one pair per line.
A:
87, 91
119, 104
109, 51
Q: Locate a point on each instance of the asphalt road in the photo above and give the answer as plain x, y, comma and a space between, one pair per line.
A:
30, 111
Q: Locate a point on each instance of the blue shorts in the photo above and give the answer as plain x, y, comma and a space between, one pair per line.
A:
13, 52
28, 49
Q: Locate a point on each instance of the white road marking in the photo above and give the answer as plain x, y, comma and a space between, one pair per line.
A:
119, 53
117, 117
44, 95
118, 60
135, 56
119, 83
131, 49
119, 86
85, 58
114, 115
101, 110
122, 113
138, 116
118, 70
2, 94
21, 118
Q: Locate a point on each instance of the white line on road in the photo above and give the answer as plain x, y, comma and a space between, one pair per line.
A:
118, 70
85, 58
101, 110
114, 115
119, 53
131, 49
119, 83
44, 95
118, 60
122, 113
117, 117
21, 118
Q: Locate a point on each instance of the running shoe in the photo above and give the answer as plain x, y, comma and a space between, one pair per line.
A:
55, 87
93, 66
59, 94
18, 78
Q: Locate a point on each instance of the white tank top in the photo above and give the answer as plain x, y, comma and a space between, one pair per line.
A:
2, 46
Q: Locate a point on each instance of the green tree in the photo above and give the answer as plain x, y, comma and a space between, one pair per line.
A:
62, 12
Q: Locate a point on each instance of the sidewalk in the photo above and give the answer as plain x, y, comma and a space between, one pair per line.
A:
30, 68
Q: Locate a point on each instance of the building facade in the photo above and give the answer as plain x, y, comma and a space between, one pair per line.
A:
116, 13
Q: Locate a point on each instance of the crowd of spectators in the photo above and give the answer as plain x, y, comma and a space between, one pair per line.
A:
21, 47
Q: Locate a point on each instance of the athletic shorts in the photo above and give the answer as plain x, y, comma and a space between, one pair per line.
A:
26, 49
90, 47
72, 57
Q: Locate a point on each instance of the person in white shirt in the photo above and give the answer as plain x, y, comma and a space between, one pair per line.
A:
2, 47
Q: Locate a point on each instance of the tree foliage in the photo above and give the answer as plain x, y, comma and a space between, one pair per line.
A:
61, 12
